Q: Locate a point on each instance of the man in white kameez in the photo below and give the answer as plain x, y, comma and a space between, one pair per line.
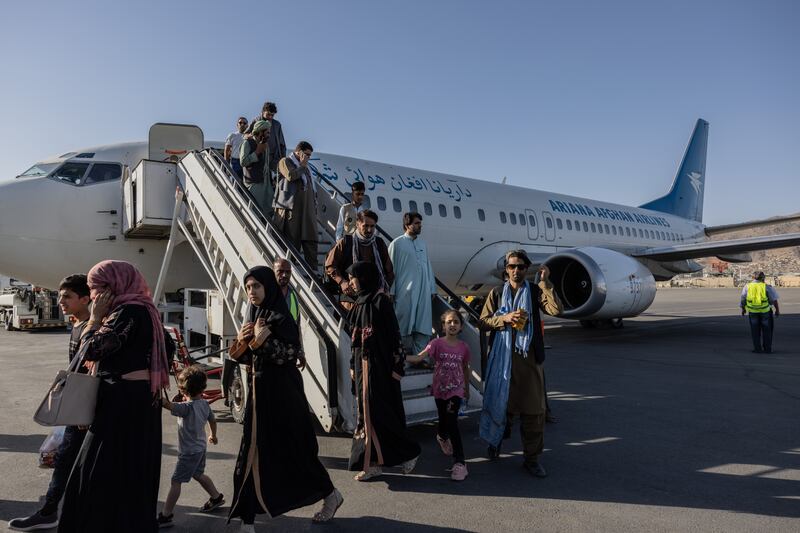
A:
414, 285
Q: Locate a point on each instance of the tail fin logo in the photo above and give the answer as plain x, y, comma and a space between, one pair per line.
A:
695, 180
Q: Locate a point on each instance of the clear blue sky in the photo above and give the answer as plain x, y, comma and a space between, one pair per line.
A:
589, 98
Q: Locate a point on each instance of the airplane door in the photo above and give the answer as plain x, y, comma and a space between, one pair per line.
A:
533, 224
549, 226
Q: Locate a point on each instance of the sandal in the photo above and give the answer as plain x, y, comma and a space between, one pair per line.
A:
213, 503
329, 508
409, 465
369, 473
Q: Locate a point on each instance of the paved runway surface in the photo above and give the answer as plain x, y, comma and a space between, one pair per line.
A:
670, 424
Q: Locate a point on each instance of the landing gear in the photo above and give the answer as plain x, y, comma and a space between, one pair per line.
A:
613, 323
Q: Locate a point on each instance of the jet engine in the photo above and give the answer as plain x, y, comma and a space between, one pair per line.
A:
596, 283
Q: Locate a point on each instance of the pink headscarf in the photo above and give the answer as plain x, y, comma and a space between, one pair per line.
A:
129, 287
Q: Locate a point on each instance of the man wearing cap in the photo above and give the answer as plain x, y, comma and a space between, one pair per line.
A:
254, 157
757, 299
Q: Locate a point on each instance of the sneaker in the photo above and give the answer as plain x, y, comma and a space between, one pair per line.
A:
213, 503
459, 472
445, 445
34, 522
409, 465
165, 521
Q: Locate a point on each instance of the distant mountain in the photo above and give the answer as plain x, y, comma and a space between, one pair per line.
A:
772, 262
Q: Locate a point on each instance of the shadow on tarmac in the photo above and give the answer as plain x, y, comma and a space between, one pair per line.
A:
675, 413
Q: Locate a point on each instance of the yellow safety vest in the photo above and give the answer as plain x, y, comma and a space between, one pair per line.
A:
757, 301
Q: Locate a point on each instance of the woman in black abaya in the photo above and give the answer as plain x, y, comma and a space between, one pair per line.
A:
377, 367
277, 469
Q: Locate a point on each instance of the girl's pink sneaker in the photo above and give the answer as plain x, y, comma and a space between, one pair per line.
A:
445, 445
459, 472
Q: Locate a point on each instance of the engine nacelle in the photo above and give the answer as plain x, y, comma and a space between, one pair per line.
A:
596, 283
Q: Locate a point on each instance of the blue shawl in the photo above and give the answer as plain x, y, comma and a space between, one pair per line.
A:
498, 367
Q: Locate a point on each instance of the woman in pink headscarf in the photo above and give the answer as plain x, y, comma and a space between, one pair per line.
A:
114, 483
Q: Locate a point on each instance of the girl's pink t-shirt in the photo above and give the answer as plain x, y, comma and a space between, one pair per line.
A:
448, 374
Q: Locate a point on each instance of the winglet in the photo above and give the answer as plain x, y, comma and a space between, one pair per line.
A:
685, 198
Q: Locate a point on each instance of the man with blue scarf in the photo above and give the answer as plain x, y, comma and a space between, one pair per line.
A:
514, 379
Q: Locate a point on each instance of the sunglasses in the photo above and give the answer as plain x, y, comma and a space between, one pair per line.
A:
517, 266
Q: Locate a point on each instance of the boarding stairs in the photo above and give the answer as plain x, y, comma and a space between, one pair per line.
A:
416, 385
228, 233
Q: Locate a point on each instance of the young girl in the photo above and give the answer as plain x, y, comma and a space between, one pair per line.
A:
450, 386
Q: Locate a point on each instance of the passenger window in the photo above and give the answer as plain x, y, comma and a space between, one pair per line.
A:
532, 220
559, 224
521, 219
614, 230
456, 211
608, 232
600, 228
585, 227
594, 229
513, 218
428, 208
627, 231
412, 206
569, 225
503, 217
549, 222
481, 215
442, 210
71, 173
103, 172
381, 203
641, 234
398, 207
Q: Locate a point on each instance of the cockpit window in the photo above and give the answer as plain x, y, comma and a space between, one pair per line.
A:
39, 169
103, 172
85, 155
71, 173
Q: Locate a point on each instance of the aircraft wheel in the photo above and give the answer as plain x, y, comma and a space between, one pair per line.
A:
236, 397
588, 324
617, 323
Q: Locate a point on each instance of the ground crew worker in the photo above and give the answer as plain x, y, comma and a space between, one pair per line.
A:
757, 300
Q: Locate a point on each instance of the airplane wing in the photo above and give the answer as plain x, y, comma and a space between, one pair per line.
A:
714, 230
717, 248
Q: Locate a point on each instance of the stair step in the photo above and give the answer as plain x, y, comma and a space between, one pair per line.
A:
413, 394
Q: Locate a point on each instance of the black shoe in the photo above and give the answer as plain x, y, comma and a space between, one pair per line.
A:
34, 522
165, 521
212, 504
535, 469
493, 453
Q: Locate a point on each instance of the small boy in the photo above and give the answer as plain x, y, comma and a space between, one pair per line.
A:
193, 413
73, 297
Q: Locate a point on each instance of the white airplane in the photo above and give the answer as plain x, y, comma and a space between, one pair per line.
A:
64, 214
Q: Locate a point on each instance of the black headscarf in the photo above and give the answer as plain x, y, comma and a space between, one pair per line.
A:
273, 307
368, 276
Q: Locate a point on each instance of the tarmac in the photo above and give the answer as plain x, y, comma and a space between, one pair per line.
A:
669, 424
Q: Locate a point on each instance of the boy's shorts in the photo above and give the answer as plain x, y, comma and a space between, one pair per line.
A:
189, 466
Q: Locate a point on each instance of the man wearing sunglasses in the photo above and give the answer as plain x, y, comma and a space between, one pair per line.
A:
514, 378
233, 145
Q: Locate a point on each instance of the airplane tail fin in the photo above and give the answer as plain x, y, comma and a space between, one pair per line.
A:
685, 198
